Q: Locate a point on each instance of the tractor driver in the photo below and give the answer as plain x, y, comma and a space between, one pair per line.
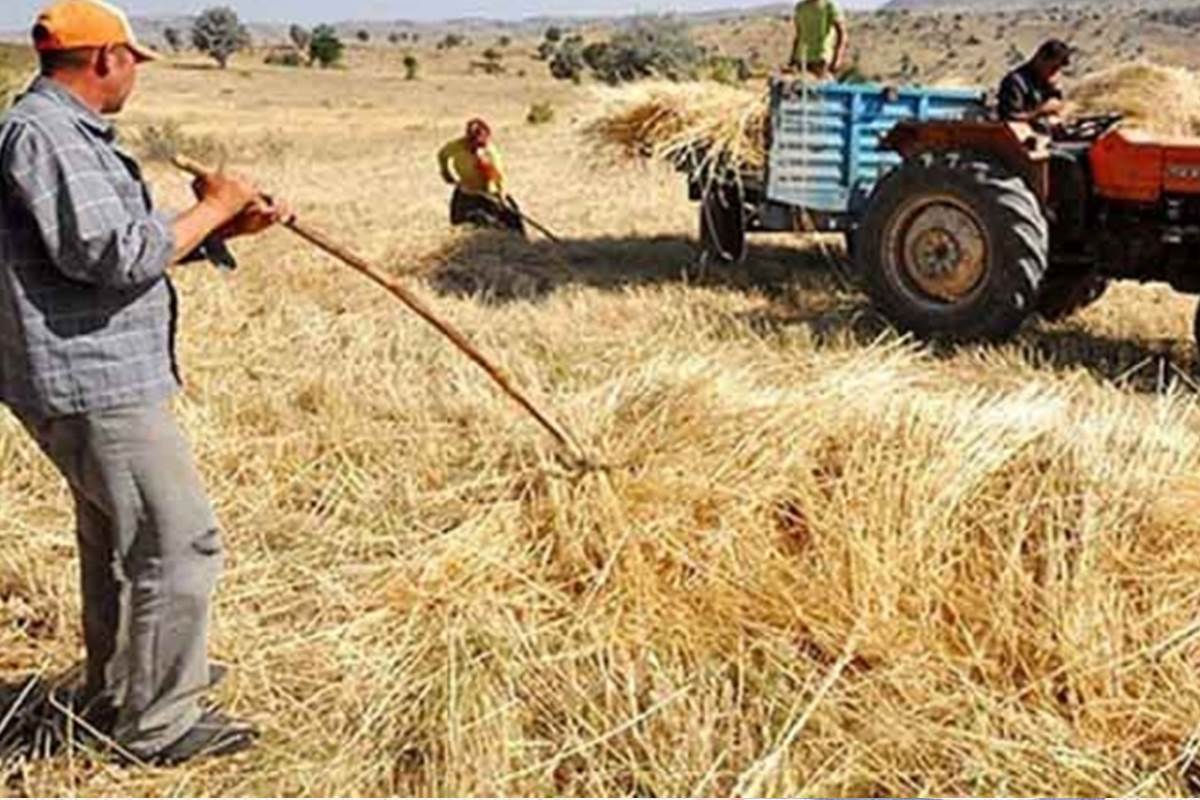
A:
1031, 92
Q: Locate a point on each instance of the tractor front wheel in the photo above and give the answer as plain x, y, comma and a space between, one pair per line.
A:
953, 247
723, 223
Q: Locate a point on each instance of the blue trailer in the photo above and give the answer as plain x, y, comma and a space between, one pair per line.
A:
825, 155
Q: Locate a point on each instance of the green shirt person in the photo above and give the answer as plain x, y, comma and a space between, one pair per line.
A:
821, 38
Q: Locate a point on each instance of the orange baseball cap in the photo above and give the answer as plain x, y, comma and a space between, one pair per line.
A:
75, 24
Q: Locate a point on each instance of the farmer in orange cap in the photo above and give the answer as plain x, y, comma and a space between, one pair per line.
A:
87, 364
472, 165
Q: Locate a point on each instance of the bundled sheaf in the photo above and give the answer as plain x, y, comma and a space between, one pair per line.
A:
1163, 100
698, 124
702, 125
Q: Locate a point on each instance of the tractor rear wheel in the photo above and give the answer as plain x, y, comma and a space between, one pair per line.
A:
954, 247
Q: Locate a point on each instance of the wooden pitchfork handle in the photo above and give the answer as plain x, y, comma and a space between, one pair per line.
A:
388, 282
533, 223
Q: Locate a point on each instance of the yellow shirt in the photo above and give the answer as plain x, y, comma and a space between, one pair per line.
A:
457, 161
814, 31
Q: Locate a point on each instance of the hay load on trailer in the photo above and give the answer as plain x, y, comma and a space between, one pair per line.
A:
802, 157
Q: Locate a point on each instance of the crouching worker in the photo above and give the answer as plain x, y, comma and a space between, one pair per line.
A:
472, 165
87, 364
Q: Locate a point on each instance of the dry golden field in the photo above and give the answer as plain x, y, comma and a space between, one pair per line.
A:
824, 560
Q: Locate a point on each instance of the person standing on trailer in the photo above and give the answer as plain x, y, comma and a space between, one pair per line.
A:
821, 40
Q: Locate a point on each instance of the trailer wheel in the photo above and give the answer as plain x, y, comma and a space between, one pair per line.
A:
953, 247
1196, 328
723, 223
1069, 294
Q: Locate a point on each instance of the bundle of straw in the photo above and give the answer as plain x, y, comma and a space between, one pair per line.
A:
1164, 100
701, 124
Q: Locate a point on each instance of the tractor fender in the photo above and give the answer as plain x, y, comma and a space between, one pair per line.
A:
1020, 149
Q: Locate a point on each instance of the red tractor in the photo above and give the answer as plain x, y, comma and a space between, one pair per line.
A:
984, 223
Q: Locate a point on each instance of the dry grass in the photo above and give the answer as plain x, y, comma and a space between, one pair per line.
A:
1157, 98
826, 562
696, 123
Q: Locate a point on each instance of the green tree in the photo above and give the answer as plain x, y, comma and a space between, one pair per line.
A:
652, 46
218, 33
363, 36
326, 48
174, 39
567, 63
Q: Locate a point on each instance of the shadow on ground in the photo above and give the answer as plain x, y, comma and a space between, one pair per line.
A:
498, 268
801, 288
27, 731
1148, 366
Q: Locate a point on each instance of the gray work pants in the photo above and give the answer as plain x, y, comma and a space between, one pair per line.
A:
150, 555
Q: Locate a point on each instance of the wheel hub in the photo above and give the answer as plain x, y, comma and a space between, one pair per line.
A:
944, 251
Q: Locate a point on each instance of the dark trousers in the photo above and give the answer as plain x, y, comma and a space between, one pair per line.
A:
486, 212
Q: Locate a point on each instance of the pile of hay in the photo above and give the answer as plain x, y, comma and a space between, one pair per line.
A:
1164, 100
706, 123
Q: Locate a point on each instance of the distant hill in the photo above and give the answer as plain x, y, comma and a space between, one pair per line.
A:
151, 29
992, 6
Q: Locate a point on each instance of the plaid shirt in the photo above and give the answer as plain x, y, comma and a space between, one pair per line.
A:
87, 313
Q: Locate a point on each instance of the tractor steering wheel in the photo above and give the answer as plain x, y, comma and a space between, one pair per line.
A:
1087, 129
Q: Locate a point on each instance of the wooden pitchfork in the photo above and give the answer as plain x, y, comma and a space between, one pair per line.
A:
401, 293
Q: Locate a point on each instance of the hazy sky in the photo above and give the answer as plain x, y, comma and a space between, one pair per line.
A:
18, 13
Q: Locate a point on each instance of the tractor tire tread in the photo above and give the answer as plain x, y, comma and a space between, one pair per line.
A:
1015, 223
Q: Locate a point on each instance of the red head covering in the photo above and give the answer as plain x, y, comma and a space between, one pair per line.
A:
478, 132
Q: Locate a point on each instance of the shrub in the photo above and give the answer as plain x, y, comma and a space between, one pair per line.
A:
487, 67
451, 41
540, 114
728, 70
363, 36
412, 67
300, 36
164, 142
652, 46
218, 33
285, 57
325, 49
567, 63
554, 34
174, 39
596, 55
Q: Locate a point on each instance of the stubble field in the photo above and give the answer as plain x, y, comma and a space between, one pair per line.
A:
823, 560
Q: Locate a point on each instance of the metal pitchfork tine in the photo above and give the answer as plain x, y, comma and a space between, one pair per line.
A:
567, 442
